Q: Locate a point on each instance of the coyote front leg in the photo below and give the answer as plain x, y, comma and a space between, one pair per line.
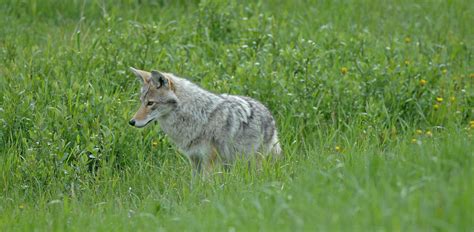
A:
204, 161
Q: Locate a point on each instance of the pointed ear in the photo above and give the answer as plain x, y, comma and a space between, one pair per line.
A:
143, 76
159, 79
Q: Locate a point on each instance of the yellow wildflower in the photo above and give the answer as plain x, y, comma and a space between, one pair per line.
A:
435, 106
407, 39
439, 99
414, 141
423, 82
344, 70
154, 144
338, 149
419, 132
429, 134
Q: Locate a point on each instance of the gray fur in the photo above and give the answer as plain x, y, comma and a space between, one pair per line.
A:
235, 126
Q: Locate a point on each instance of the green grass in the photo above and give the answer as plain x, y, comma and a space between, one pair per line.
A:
362, 76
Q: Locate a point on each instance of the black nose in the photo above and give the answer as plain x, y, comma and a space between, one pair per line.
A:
132, 122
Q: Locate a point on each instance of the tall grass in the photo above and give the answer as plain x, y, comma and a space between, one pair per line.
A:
374, 102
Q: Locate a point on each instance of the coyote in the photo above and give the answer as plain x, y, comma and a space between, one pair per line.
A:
208, 128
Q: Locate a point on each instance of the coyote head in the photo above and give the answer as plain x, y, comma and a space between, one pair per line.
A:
157, 97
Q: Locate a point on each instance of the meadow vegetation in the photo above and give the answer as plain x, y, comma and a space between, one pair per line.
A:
374, 102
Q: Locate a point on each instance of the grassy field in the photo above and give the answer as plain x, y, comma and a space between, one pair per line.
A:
374, 102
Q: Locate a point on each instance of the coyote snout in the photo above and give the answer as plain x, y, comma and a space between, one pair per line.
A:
157, 98
207, 127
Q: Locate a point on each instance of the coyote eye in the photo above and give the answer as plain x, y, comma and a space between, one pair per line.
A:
150, 103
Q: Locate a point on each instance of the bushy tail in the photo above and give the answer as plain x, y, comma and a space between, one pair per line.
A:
276, 151
275, 147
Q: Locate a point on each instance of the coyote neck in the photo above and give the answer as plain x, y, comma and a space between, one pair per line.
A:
188, 121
